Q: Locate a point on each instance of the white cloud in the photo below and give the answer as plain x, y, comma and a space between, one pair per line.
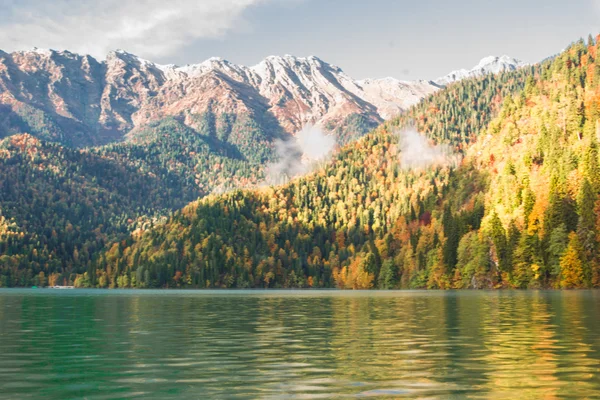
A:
149, 28
314, 143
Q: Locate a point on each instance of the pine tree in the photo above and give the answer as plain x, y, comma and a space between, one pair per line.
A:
557, 244
498, 236
586, 227
388, 275
525, 256
591, 170
452, 239
595, 264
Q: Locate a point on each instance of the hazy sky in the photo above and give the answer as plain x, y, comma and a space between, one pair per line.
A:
375, 38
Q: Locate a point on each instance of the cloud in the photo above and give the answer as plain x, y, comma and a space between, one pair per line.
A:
314, 144
416, 152
149, 28
299, 155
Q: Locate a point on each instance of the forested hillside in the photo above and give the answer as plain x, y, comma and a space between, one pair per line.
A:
198, 161
59, 207
518, 210
63, 205
541, 153
363, 221
458, 114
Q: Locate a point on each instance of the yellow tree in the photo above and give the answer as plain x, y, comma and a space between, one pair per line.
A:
571, 266
359, 271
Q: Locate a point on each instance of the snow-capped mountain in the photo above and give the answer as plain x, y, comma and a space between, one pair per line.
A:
78, 100
295, 90
488, 65
301, 90
392, 96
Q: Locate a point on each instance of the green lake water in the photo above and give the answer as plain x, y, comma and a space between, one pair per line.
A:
100, 344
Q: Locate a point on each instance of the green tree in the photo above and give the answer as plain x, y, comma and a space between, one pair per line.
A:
473, 262
388, 276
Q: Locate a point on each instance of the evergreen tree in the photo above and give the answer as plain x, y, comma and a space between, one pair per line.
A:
451, 234
388, 275
586, 228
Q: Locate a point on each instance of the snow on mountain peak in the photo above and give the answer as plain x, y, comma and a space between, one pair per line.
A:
494, 63
487, 65
391, 96
127, 58
387, 80
290, 61
44, 52
296, 90
315, 89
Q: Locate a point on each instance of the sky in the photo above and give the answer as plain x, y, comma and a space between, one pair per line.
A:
408, 40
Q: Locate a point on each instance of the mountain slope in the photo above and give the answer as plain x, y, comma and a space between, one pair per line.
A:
62, 206
73, 99
459, 113
392, 96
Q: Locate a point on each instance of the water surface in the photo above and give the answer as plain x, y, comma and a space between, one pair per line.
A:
98, 344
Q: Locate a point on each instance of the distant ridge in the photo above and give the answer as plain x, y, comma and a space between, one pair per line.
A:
487, 65
79, 101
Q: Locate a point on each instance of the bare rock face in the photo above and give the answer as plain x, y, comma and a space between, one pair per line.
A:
128, 84
308, 90
79, 101
73, 99
56, 94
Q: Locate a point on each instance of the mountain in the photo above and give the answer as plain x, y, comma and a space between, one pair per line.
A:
78, 101
72, 99
488, 65
129, 185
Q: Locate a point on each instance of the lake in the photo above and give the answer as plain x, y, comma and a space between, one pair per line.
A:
101, 344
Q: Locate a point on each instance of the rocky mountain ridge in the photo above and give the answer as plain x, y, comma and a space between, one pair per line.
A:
79, 101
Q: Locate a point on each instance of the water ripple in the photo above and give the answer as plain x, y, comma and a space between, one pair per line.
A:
300, 345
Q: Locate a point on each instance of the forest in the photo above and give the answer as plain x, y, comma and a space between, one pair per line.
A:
514, 205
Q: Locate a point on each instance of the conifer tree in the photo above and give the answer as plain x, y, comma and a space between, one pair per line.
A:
451, 234
586, 227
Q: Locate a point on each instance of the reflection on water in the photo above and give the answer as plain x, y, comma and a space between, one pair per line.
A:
304, 345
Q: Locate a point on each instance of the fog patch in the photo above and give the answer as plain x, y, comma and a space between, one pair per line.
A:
416, 151
299, 155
